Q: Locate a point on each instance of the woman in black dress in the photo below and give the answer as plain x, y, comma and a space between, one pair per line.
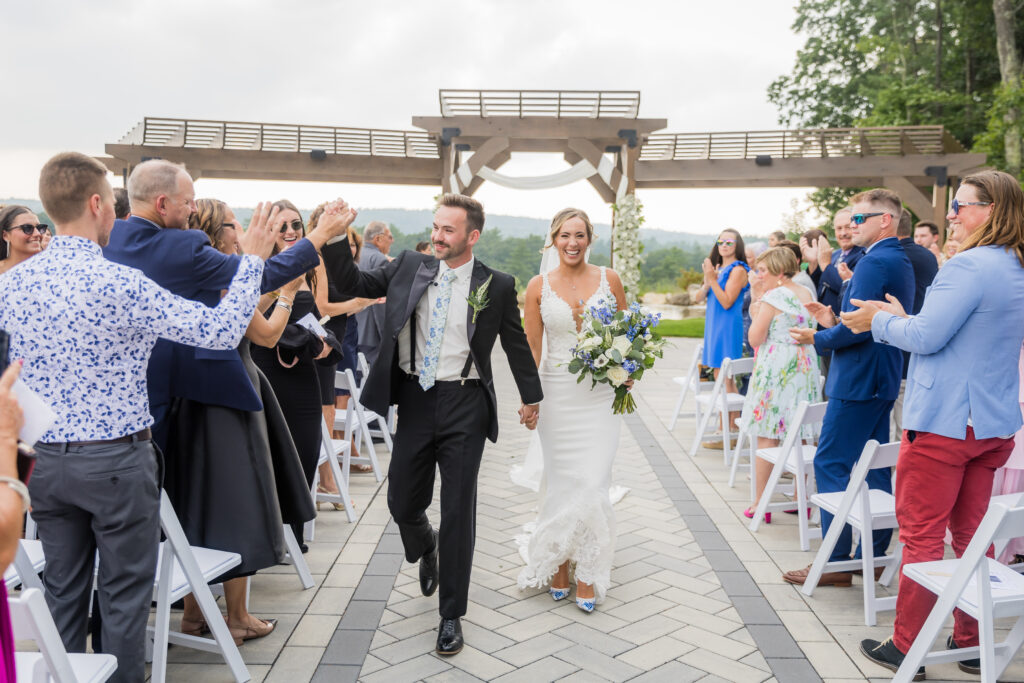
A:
291, 365
234, 476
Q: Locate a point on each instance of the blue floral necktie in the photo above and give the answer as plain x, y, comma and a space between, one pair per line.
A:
438, 318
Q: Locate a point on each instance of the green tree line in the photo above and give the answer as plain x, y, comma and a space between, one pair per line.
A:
909, 62
665, 269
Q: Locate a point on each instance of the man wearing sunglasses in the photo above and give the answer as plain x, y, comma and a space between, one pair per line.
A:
156, 240
864, 378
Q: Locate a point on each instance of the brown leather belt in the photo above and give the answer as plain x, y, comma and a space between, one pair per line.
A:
141, 435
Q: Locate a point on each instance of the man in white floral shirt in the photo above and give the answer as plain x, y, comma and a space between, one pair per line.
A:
85, 327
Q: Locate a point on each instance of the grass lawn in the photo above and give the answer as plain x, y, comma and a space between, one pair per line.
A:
691, 327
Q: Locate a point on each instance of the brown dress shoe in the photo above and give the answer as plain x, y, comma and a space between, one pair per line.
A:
878, 572
838, 579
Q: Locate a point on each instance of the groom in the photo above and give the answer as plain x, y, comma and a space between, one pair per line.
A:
442, 316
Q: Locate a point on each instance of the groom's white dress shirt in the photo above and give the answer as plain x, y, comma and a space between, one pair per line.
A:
455, 343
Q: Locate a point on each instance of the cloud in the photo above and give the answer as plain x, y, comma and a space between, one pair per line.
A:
90, 71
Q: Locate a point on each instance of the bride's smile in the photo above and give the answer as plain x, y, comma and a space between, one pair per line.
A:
572, 242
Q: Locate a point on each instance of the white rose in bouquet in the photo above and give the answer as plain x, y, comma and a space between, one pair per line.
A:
617, 375
622, 345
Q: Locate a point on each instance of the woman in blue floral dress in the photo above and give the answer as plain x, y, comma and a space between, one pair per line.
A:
785, 372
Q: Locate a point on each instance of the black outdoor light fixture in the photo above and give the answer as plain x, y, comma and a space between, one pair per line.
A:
940, 173
763, 160
318, 154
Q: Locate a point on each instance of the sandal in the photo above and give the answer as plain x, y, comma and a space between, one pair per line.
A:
360, 469
251, 632
194, 628
326, 491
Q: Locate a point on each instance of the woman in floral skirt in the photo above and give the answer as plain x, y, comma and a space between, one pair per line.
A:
785, 372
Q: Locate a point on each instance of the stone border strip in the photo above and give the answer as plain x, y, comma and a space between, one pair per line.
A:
343, 659
785, 658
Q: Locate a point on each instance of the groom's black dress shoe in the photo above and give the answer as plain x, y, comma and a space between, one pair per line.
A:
429, 573
449, 636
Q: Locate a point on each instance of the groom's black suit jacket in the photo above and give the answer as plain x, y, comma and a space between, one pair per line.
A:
404, 281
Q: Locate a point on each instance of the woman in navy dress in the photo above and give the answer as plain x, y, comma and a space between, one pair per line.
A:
725, 281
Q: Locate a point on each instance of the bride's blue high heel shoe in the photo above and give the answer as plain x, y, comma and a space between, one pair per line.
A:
559, 593
585, 604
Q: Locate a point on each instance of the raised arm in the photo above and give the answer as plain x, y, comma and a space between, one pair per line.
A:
321, 292
733, 287
152, 309
348, 279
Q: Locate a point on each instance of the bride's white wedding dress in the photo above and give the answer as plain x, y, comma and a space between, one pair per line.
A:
578, 436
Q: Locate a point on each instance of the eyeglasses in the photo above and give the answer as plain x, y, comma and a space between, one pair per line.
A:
958, 204
295, 225
859, 218
725, 243
42, 228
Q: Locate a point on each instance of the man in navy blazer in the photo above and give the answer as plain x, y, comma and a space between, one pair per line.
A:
156, 240
864, 378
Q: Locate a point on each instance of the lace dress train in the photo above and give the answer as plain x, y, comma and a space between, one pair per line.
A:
578, 437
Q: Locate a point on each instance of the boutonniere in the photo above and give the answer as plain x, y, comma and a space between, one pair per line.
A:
477, 299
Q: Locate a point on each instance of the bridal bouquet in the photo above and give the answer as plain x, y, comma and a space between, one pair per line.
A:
613, 347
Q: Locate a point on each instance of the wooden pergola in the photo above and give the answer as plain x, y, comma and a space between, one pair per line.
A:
599, 133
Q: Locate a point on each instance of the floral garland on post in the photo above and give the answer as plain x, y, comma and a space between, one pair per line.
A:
626, 247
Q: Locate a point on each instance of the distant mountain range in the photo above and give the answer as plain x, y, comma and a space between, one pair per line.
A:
413, 221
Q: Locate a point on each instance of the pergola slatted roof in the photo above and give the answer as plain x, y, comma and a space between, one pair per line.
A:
556, 103
279, 137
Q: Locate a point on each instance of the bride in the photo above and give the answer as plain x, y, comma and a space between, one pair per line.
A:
577, 432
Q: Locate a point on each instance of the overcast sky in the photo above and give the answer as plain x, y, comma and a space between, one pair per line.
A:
81, 74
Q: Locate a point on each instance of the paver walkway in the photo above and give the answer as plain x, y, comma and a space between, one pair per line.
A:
695, 595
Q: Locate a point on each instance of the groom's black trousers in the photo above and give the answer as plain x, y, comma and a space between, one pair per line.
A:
444, 426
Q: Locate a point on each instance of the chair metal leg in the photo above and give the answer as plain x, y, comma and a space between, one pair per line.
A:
867, 556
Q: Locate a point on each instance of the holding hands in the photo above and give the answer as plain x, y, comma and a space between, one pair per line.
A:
528, 416
261, 236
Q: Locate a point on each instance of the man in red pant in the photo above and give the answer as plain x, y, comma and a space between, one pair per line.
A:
962, 405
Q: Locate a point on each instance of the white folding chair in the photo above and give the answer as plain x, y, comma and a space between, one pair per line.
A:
330, 449
28, 563
722, 402
983, 588
31, 620
691, 381
385, 425
356, 424
297, 559
865, 510
184, 569
797, 459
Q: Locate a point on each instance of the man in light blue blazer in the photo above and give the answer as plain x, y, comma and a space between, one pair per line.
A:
864, 377
962, 406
